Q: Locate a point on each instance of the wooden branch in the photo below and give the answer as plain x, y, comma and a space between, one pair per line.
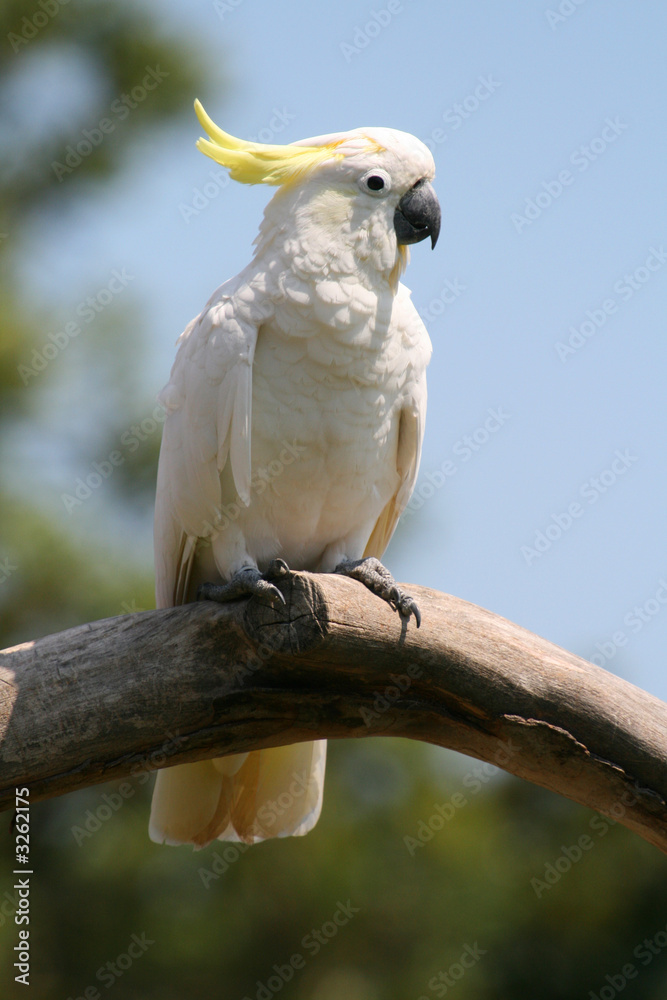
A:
110, 698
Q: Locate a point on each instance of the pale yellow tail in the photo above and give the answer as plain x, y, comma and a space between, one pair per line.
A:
247, 797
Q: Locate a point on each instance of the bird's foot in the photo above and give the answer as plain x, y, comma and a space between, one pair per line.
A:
247, 582
377, 578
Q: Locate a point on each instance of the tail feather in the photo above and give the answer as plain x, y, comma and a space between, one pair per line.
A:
185, 799
246, 797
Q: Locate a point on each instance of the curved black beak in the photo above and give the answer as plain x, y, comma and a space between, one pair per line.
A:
418, 215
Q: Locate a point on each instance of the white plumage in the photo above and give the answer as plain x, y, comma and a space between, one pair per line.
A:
295, 419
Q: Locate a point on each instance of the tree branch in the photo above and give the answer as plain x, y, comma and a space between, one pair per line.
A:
107, 699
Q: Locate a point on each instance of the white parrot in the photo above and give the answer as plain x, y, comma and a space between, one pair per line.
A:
295, 417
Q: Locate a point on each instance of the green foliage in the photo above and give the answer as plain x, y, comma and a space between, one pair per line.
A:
60, 572
223, 918
121, 41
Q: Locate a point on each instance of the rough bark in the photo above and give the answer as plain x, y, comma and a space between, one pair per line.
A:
109, 698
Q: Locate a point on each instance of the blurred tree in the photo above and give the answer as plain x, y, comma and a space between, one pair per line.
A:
129, 77
495, 902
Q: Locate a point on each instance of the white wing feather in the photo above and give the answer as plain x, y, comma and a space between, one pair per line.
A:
208, 400
417, 346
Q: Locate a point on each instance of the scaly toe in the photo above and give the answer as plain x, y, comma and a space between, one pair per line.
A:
278, 568
247, 582
265, 589
379, 580
407, 606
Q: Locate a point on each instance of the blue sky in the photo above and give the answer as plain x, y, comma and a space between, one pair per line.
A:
545, 297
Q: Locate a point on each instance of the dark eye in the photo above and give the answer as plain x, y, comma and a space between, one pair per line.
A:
376, 182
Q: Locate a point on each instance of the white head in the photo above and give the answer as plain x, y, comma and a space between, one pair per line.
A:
366, 191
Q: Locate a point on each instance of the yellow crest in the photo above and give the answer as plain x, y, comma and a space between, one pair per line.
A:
257, 162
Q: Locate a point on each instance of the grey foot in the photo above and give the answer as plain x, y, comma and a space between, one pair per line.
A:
247, 582
377, 578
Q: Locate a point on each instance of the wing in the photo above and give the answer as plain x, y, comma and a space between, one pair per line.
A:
411, 417
208, 401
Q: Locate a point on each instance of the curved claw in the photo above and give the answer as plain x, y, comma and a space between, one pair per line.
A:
247, 582
407, 606
379, 580
266, 589
278, 568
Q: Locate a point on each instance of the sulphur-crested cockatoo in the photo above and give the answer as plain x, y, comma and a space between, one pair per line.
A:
295, 416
